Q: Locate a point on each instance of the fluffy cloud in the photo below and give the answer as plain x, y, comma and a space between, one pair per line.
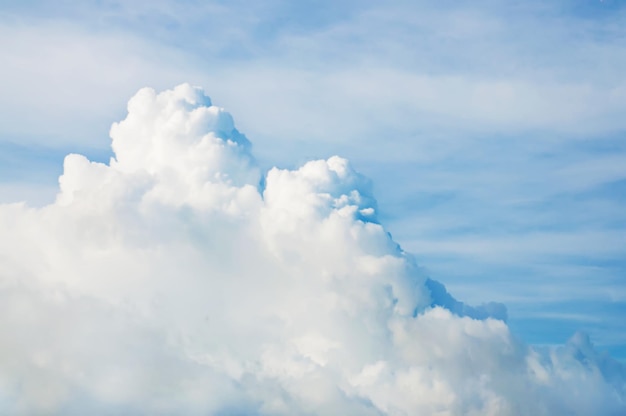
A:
179, 278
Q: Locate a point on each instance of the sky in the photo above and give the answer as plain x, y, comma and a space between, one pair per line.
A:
491, 136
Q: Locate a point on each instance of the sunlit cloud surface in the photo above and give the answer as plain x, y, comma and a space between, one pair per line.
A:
181, 277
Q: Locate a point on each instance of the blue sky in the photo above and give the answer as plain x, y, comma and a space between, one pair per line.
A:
493, 133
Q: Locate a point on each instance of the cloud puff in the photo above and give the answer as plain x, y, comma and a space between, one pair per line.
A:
181, 279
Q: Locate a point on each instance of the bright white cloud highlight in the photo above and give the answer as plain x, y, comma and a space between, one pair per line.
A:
181, 279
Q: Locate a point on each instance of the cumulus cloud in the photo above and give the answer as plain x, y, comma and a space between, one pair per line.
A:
180, 279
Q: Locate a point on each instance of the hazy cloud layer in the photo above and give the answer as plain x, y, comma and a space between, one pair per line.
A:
180, 278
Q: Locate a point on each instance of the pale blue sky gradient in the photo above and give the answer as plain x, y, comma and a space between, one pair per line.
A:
494, 133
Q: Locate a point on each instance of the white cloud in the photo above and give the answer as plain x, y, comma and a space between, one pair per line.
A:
179, 279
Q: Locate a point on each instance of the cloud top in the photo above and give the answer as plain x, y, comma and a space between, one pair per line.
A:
180, 279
